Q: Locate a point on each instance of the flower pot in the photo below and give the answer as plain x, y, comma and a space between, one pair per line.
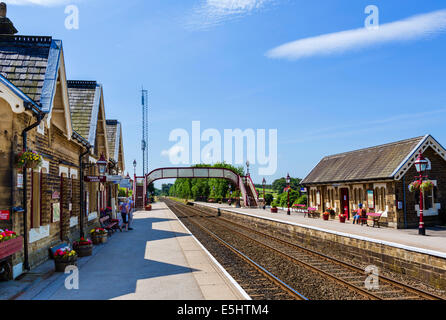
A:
274, 210
149, 207
84, 251
342, 219
61, 265
99, 239
8, 248
326, 217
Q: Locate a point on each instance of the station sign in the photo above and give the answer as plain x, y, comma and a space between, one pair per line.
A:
115, 179
102, 179
4, 215
125, 183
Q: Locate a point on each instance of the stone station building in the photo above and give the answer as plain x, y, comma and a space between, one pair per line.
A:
378, 177
64, 121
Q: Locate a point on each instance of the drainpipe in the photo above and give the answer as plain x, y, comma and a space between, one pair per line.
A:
39, 117
405, 205
81, 176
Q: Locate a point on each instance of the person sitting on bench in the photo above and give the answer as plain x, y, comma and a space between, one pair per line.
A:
358, 215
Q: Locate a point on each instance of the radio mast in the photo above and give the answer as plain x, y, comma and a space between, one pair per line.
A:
145, 131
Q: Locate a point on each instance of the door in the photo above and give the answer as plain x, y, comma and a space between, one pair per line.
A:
345, 202
139, 197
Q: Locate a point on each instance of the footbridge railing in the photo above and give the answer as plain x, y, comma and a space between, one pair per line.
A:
200, 173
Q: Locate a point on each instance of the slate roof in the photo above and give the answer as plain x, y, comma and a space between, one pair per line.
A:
24, 61
84, 97
373, 163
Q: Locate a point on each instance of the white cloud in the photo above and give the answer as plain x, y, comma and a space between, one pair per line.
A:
214, 12
47, 3
415, 27
172, 152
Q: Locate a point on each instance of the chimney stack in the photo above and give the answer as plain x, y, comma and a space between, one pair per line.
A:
6, 26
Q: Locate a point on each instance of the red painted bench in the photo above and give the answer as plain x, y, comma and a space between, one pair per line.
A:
372, 216
311, 212
109, 224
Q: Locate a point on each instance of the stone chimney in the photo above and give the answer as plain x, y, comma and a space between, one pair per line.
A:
6, 26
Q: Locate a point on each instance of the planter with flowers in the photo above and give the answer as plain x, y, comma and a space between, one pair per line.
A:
326, 215
29, 159
149, 207
342, 218
64, 258
10, 243
274, 208
98, 235
83, 247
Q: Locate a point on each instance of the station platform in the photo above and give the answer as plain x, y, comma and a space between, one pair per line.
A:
158, 260
434, 244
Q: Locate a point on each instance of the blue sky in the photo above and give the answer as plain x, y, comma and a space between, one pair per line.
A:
212, 61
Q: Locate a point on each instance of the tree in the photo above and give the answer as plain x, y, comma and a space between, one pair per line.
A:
269, 198
283, 198
279, 185
205, 188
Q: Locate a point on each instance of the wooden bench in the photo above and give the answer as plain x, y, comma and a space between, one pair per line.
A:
311, 212
371, 216
109, 224
300, 208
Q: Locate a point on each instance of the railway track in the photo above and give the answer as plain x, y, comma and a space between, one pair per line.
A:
257, 281
334, 270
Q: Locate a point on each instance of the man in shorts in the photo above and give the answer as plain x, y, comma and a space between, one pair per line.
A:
123, 208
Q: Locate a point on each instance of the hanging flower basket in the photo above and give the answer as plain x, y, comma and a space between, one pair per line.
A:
427, 186
64, 258
29, 159
414, 186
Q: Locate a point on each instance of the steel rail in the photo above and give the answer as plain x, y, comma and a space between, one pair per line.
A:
269, 275
402, 286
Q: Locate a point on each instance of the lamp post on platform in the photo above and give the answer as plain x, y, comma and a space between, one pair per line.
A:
421, 165
264, 200
134, 181
288, 181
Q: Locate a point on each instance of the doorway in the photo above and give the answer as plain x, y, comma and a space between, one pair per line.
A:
345, 202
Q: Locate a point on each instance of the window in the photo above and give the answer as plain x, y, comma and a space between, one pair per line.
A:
371, 199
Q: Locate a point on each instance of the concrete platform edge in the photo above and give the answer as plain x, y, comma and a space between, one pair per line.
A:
228, 276
382, 242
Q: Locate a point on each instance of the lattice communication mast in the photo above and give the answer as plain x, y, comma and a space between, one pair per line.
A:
145, 131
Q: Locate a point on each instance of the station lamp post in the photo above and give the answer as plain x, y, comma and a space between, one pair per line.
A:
102, 165
247, 166
288, 181
128, 179
421, 165
134, 181
264, 200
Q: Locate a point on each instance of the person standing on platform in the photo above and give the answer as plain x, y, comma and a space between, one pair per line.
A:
131, 209
123, 208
